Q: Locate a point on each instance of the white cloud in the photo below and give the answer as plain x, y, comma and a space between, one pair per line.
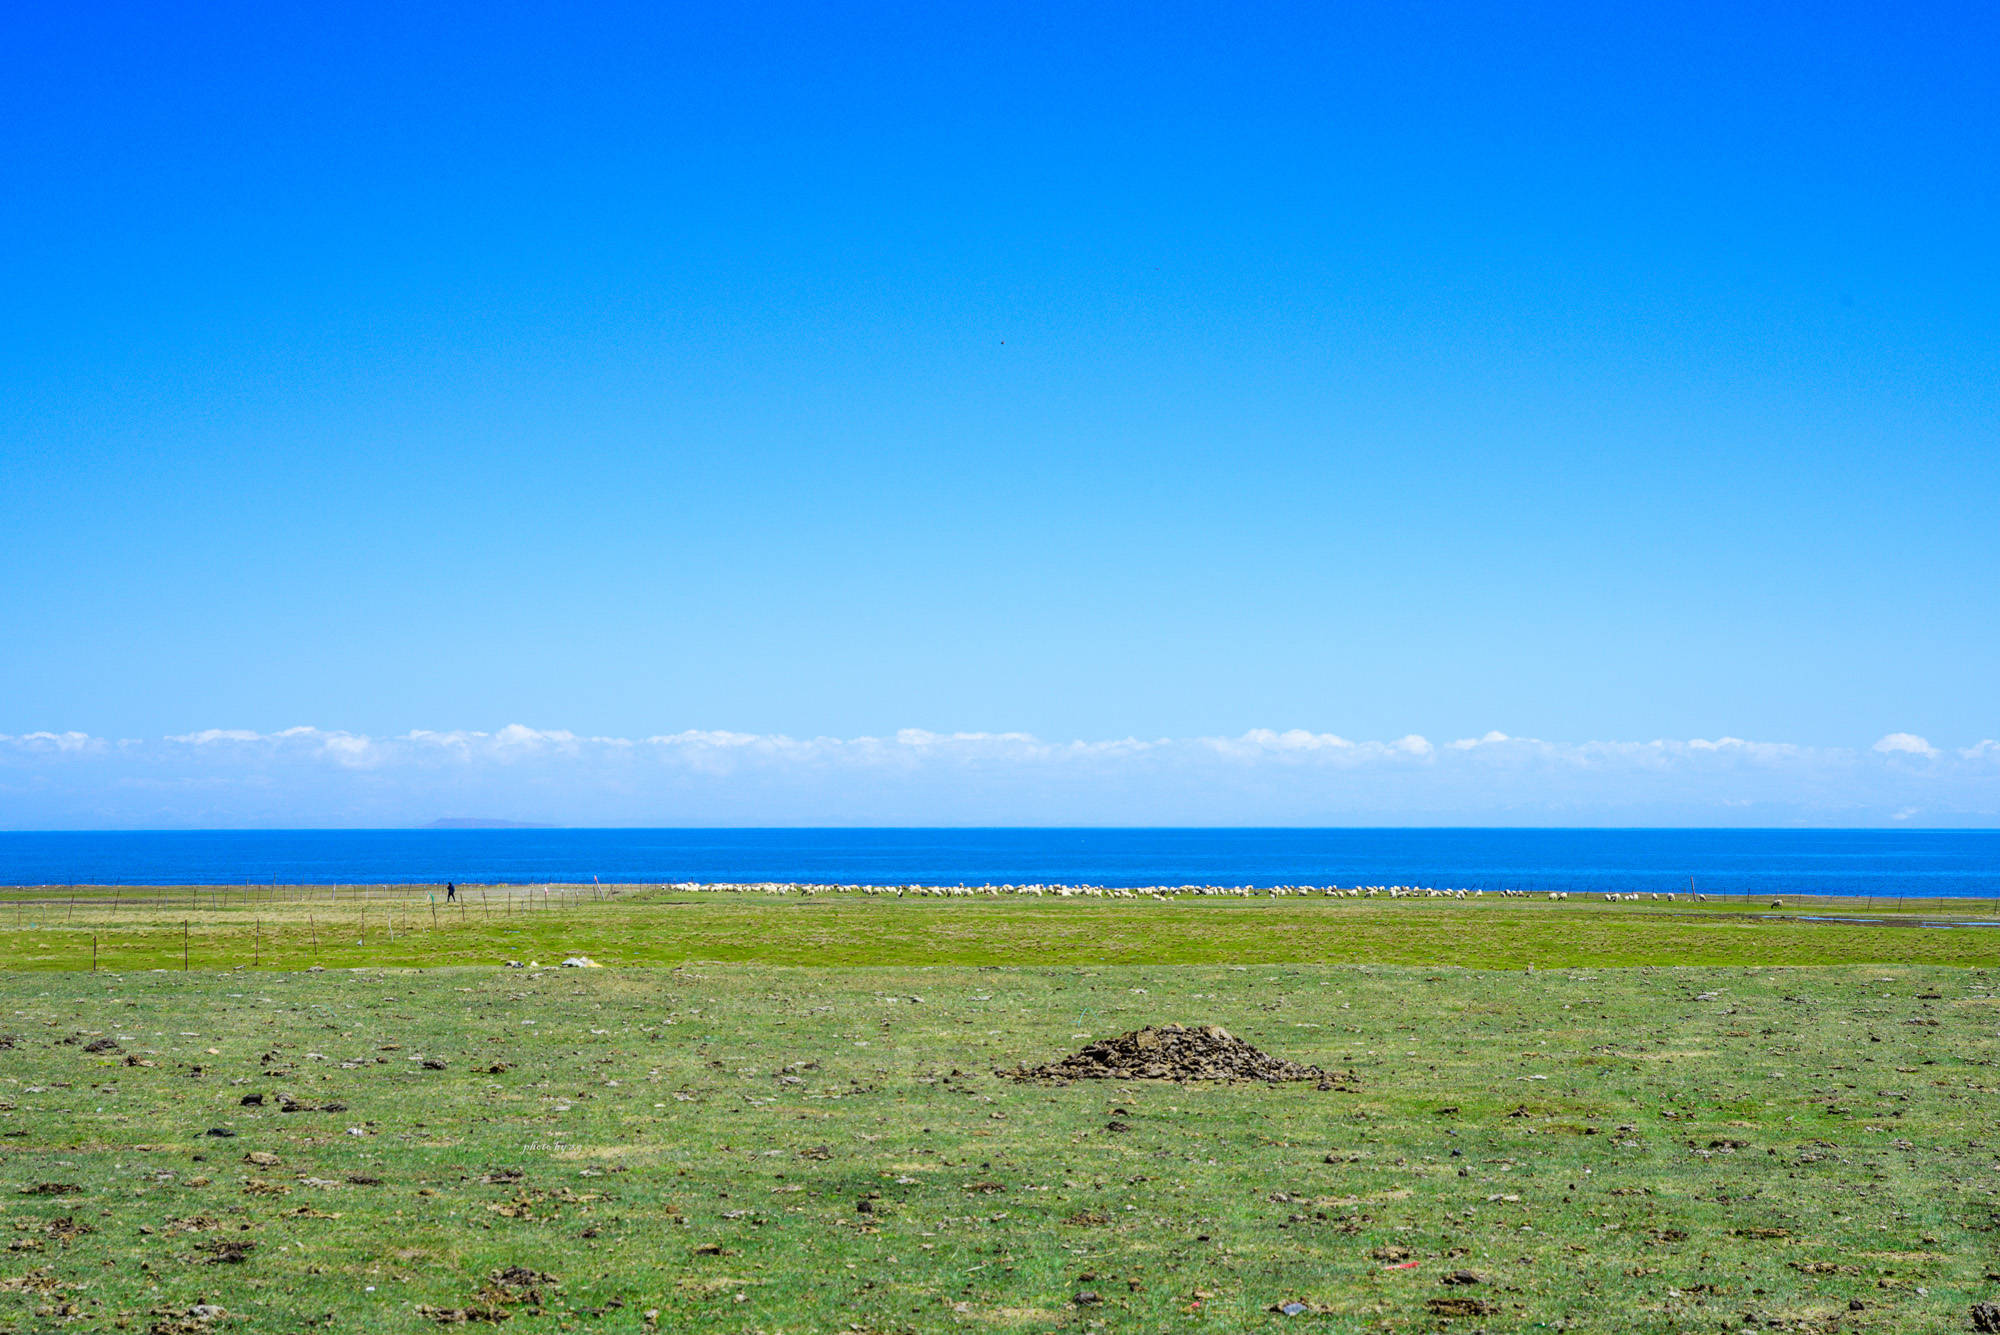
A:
515, 734
313, 776
53, 741
346, 748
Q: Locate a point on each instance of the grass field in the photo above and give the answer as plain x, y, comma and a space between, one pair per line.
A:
293, 928
754, 1146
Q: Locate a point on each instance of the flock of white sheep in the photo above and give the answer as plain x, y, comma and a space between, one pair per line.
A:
1159, 892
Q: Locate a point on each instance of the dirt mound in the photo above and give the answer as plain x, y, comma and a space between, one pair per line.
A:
1175, 1052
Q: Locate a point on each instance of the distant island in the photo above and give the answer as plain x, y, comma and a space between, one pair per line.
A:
481, 823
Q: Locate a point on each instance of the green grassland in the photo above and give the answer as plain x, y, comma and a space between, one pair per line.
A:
1661, 1146
292, 928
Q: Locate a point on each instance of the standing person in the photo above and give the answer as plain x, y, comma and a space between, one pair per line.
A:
450, 892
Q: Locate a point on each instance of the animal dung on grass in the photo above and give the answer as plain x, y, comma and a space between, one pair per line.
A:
228, 1251
1451, 1307
1179, 1053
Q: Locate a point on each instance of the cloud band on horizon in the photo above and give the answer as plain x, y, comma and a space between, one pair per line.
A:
309, 776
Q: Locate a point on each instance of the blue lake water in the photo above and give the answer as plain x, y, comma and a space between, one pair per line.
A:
1843, 862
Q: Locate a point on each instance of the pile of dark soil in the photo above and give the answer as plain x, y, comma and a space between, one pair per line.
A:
1175, 1052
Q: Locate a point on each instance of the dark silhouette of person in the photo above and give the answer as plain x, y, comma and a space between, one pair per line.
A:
450, 892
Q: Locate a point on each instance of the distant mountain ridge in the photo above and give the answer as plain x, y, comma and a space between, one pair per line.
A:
483, 823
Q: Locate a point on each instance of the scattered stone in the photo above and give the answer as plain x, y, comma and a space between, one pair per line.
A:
262, 1158
581, 962
1175, 1052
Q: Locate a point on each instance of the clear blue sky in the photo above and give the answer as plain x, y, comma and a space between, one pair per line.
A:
1581, 372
